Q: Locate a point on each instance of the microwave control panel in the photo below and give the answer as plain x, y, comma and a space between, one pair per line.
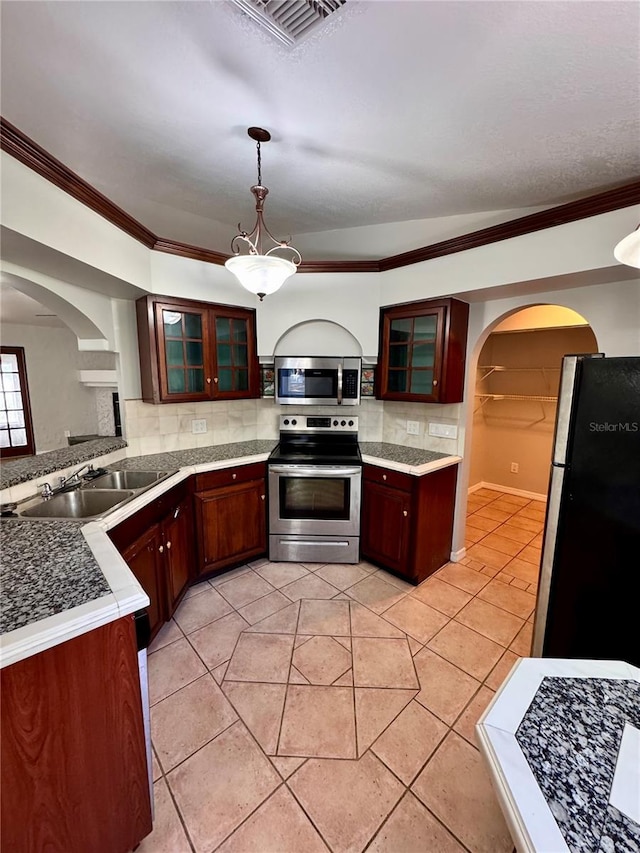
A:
350, 380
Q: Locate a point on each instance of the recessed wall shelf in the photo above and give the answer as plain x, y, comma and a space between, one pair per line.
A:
501, 368
538, 398
98, 378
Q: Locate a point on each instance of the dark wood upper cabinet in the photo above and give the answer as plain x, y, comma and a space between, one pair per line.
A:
193, 351
422, 351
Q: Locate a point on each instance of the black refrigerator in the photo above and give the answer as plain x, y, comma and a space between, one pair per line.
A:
589, 591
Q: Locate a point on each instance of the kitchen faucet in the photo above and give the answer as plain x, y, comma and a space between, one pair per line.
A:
72, 481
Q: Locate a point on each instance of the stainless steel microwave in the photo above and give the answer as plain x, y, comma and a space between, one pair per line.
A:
318, 380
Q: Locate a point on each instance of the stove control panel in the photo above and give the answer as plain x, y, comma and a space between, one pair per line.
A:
317, 424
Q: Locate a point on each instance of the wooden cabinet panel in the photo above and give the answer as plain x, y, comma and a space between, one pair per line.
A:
422, 347
157, 544
144, 558
74, 769
193, 351
407, 522
177, 533
385, 525
231, 523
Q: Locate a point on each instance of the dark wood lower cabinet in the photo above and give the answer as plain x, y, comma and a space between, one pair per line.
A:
231, 524
144, 558
74, 769
177, 532
157, 544
407, 521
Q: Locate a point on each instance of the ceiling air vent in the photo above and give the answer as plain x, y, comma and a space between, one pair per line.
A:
289, 20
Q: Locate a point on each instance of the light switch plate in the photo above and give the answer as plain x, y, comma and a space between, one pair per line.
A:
199, 425
413, 427
443, 430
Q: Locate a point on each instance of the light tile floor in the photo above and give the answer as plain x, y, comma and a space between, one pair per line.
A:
302, 708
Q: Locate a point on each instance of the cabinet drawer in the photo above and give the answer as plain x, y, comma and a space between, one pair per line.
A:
229, 476
388, 477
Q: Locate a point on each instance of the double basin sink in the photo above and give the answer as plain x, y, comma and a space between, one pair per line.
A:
93, 498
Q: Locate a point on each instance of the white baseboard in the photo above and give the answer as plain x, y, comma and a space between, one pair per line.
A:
522, 493
457, 556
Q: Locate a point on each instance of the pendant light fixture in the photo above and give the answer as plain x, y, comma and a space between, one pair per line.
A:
261, 271
627, 250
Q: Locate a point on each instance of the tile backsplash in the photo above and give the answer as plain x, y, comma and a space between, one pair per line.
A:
156, 429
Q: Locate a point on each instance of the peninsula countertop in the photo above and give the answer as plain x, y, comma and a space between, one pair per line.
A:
562, 742
61, 578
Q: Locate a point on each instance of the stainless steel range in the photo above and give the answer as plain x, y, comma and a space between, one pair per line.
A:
315, 475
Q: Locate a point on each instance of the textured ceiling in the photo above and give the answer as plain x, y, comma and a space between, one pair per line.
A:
392, 111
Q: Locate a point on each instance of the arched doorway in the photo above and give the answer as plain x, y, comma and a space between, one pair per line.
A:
510, 425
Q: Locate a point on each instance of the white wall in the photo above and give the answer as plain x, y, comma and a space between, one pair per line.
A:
58, 401
38, 209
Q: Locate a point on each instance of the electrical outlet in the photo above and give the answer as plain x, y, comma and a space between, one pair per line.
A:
199, 425
413, 427
443, 430
515, 468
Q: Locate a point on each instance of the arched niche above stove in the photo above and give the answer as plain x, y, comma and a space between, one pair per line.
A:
318, 337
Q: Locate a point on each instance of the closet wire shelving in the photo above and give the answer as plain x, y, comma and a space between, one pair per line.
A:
536, 398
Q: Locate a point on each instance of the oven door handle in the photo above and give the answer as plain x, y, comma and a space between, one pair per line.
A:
315, 470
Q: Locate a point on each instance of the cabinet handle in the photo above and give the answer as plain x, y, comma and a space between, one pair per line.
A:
208, 380
261, 497
168, 545
405, 513
161, 548
384, 476
435, 382
233, 476
177, 512
215, 379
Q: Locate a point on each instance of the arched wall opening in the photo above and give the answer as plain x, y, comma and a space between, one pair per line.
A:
513, 371
70, 365
318, 338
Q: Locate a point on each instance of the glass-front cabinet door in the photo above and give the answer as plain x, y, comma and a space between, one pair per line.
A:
421, 357
185, 336
193, 351
232, 354
411, 347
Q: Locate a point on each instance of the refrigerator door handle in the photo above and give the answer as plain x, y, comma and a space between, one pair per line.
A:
548, 554
565, 405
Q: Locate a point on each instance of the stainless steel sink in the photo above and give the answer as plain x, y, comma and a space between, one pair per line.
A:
83, 503
125, 480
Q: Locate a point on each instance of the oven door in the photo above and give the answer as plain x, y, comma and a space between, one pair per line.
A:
315, 500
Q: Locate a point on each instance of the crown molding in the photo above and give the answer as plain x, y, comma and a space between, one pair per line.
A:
604, 202
185, 250
16, 143
28, 152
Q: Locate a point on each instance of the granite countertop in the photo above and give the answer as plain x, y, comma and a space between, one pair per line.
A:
68, 577
562, 742
411, 460
59, 572
22, 470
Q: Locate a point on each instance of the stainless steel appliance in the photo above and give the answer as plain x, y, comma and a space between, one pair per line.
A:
318, 381
315, 488
590, 582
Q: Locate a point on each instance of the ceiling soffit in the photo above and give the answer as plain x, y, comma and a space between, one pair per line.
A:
28, 152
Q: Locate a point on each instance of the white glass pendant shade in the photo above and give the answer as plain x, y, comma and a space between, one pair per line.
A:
628, 249
260, 274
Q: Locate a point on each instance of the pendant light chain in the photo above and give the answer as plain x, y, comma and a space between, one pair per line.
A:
259, 164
